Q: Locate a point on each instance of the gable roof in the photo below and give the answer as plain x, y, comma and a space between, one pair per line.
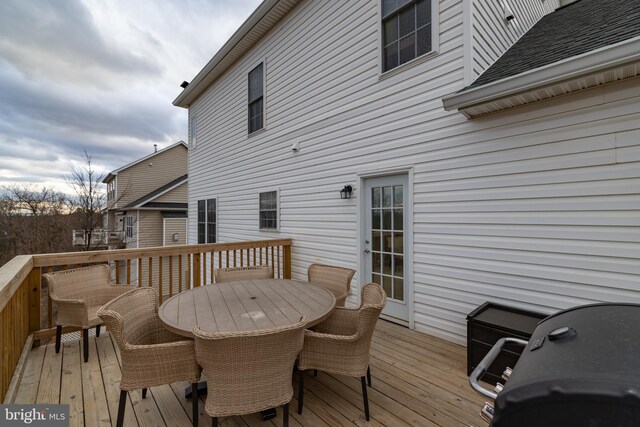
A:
577, 28
144, 200
261, 21
114, 172
584, 44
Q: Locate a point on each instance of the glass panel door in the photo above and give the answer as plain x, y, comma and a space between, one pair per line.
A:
385, 242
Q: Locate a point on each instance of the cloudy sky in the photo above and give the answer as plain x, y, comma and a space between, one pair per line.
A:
99, 75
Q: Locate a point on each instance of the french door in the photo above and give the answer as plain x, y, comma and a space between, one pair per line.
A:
385, 247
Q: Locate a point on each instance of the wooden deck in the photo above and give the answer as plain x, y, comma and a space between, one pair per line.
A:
417, 380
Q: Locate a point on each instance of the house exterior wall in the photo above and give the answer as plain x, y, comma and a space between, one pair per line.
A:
175, 225
535, 207
177, 195
491, 35
141, 179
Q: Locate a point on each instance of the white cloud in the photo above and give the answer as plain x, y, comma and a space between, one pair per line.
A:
99, 76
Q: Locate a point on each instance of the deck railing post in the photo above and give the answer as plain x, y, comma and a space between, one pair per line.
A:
35, 277
286, 261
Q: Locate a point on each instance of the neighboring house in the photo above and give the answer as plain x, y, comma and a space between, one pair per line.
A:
524, 190
147, 201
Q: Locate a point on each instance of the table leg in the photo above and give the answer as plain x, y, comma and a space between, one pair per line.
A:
202, 389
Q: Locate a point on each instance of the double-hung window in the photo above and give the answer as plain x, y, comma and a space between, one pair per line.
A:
256, 98
406, 31
269, 210
128, 226
207, 221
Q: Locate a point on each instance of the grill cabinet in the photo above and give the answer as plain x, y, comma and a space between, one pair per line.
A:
586, 373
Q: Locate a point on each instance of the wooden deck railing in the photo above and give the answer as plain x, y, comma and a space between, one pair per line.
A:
26, 313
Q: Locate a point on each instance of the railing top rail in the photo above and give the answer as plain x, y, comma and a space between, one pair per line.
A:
12, 274
69, 258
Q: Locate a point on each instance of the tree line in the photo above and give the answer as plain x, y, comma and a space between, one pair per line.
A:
42, 220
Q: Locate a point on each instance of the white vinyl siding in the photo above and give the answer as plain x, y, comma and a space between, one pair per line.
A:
492, 35
535, 207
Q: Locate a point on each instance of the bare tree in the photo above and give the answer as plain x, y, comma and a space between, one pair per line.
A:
33, 221
90, 199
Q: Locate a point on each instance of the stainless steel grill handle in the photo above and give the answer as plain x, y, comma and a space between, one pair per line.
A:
486, 362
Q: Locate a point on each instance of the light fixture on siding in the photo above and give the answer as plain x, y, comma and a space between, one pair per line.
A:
345, 193
508, 14
175, 237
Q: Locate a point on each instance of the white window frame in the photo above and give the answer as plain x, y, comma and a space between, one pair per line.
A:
193, 131
262, 61
435, 42
206, 223
127, 226
270, 190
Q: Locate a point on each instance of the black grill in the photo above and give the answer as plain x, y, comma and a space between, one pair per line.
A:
581, 367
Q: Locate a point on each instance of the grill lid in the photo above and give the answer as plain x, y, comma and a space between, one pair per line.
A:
581, 365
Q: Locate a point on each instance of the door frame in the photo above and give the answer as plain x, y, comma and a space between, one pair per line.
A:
360, 261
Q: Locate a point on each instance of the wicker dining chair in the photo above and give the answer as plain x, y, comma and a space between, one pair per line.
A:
340, 345
243, 273
335, 279
250, 371
151, 355
78, 294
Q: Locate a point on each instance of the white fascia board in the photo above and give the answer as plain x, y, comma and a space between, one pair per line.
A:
571, 68
185, 97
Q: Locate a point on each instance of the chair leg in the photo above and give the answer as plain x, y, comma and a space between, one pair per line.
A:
214, 421
85, 344
369, 375
58, 337
194, 403
285, 415
98, 330
144, 393
315, 372
121, 407
365, 398
300, 390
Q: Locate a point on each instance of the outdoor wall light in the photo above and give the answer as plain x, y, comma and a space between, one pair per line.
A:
175, 237
345, 193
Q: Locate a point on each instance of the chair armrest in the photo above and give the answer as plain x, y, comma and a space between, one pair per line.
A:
71, 312
312, 336
157, 364
329, 353
343, 321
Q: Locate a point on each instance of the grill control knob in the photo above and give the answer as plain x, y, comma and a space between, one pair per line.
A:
507, 373
487, 412
498, 388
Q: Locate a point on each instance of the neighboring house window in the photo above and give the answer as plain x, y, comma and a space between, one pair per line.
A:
207, 221
111, 190
128, 226
269, 210
406, 31
194, 132
256, 98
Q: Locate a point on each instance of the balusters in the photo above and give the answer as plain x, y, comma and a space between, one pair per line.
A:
170, 276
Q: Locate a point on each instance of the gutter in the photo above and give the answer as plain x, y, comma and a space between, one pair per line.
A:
571, 68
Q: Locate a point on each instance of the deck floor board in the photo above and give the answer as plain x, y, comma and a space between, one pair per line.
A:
417, 380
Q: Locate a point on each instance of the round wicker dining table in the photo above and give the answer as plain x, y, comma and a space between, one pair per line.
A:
246, 305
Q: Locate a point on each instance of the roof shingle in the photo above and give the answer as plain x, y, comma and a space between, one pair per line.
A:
573, 30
